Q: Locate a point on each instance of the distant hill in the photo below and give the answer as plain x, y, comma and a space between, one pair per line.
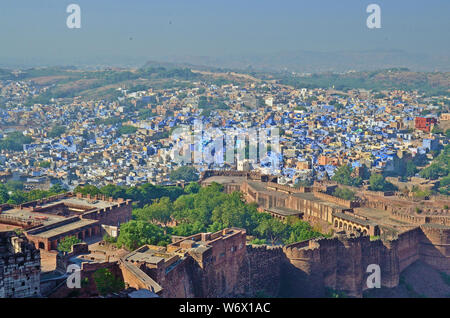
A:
67, 82
436, 83
314, 61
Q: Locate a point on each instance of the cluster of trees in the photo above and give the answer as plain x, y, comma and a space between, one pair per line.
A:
45, 164
134, 234
343, 175
185, 173
394, 78
141, 195
15, 141
127, 130
421, 194
210, 209
444, 185
160, 135
106, 282
440, 167
145, 113
344, 193
12, 192
57, 131
210, 104
65, 245
407, 167
379, 183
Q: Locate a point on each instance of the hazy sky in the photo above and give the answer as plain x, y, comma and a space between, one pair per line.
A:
36, 29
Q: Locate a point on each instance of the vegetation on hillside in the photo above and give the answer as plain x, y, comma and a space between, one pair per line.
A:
185, 173
210, 209
12, 192
15, 141
343, 175
396, 78
344, 193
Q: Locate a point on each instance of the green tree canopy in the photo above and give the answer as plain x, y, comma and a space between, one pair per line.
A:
343, 175
106, 282
379, 183
15, 141
57, 131
134, 234
65, 245
344, 193
159, 211
185, 173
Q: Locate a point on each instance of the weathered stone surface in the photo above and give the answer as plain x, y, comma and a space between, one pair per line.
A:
19, 267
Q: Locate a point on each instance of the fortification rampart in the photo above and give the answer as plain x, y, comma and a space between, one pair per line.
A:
435, 246
330, 198
341, 262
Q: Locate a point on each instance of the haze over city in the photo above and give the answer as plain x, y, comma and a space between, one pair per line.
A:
327, 35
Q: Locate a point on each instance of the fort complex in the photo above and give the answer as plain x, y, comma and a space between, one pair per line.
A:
374, 229
43, 224
46, 222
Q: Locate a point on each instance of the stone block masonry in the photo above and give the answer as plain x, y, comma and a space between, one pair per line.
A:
20, 267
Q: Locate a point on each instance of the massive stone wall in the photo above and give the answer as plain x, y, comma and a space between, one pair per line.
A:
20, 265
307, 268
114, 215
229, 268
310, 208
216, 270
260, 271
435, 246
345, 203
341, 262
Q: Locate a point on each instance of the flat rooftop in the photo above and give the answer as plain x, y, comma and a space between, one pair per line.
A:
284, 211
225, 179
92, 204
149, 254
381, 217
262, 187
48, 218
65, 228
28, 215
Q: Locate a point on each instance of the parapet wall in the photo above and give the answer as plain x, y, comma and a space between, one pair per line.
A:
341, 262
249, 175
260, 271
119, 212
435, 246
330, 198
287, 189
407, 215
